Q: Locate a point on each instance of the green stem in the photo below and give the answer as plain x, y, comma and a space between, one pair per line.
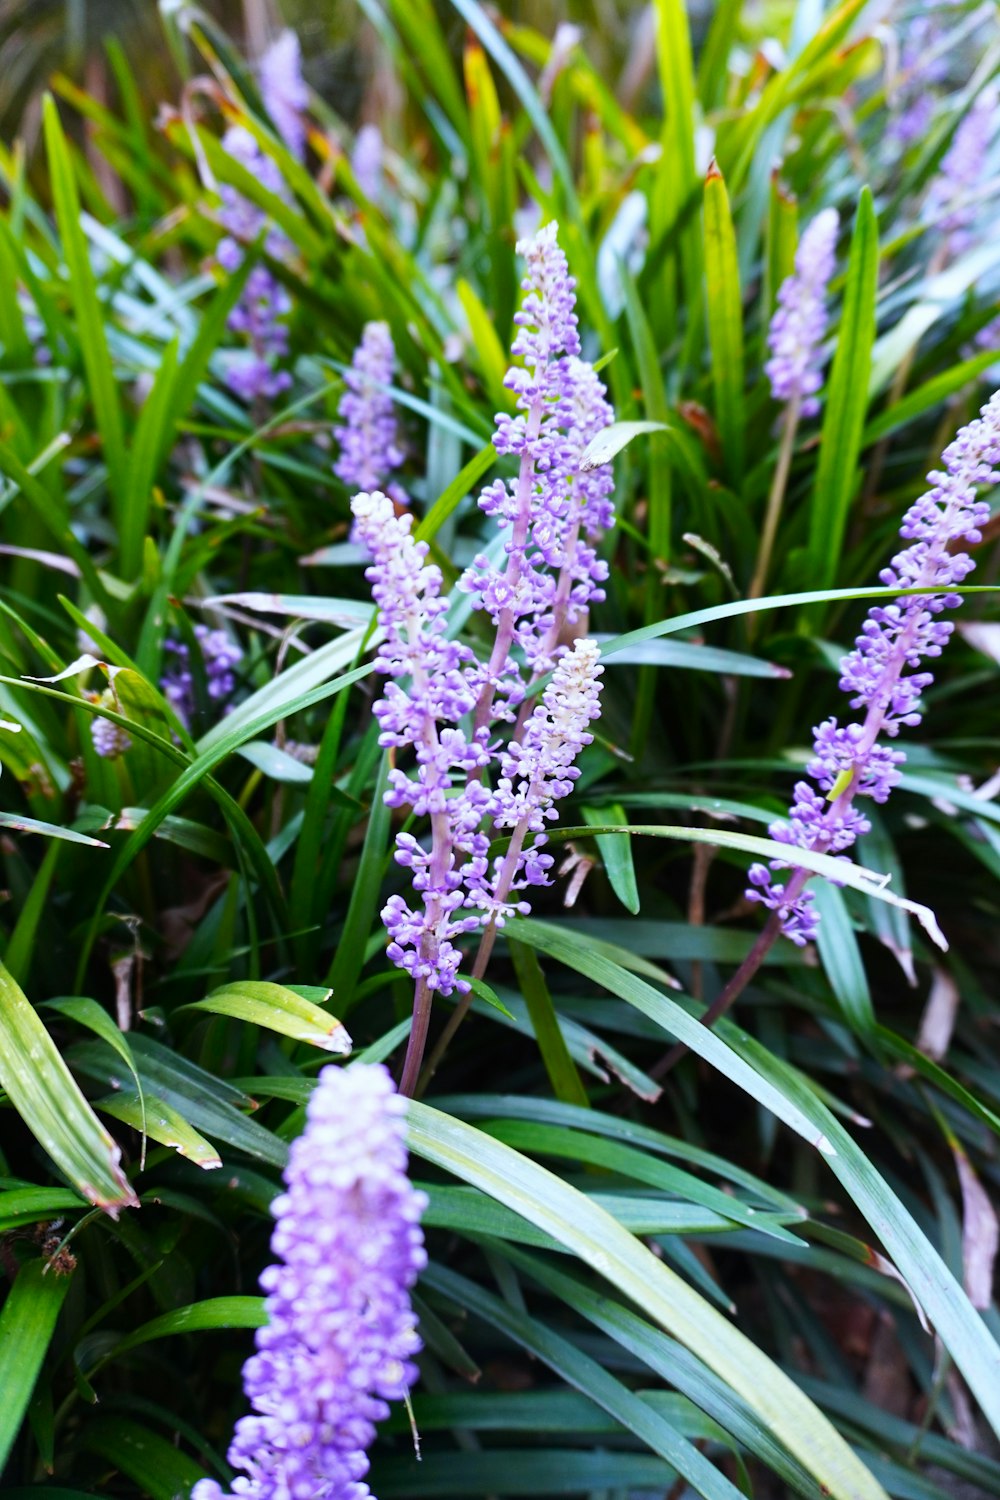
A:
775, 501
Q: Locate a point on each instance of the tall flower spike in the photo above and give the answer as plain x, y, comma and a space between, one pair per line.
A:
798, 327
952, 198
429, 694
284, 92
561, 404
264, 303
881, 673
220, 656
539, 770
341, 1333
368, 434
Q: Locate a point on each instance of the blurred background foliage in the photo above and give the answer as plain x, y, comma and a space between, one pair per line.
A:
822, 1172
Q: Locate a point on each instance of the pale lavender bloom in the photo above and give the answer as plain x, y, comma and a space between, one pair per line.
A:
445, 705
220, 656
368, 434
430, 691
264, 302
952, 198
848, 760
561, 405
922, 65
110, 740
539, 769
798, 327
284, 92
366, 160
341, 1333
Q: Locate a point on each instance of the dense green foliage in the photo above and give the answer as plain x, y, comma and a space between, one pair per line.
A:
745, 1278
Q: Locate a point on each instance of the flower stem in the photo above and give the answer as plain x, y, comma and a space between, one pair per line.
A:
775, 500
746, 971
418, 1038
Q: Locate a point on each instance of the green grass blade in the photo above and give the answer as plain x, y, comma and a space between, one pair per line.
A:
579, 1370
847, 402
279, 1009
601, 1243
48, 1099
87, 307
27, 1322
616, 852
725, 322
567, 1084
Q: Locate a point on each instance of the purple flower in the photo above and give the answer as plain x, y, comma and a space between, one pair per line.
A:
555, 512
538, 769
366, 160
367, 434
951, 200
264, 302
110, 740
883, 673
922, 64
429, 692
284, 92
341, 1332
219, 655
444, 705
798, 327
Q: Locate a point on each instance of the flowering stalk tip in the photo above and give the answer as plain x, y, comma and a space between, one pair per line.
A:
341, 1335
883, 673
798, 327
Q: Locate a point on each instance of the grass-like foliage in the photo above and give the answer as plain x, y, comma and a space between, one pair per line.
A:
709, 1212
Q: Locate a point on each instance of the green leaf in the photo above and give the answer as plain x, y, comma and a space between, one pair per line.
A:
279, 1009
611, 440
450, 499
32, 1205
782, 1090
654, 1429
496, 45
155, 1118
847, 401
841, 872
197, 1317
27, 1322
150, 431
725, 322
841, 958
48, 1099
51, 830
87, 1012
160, 1470
566, 1081
616, 852
87, 308
601, 1243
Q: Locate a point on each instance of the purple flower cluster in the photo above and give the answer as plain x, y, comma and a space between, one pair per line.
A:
922, 65
110, 740
424, 716
952, 199
367, 160
555, 510
264, 302
883, 673
219, 655
798, 327
440, 701
341, 1333
367, 434
284, 92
